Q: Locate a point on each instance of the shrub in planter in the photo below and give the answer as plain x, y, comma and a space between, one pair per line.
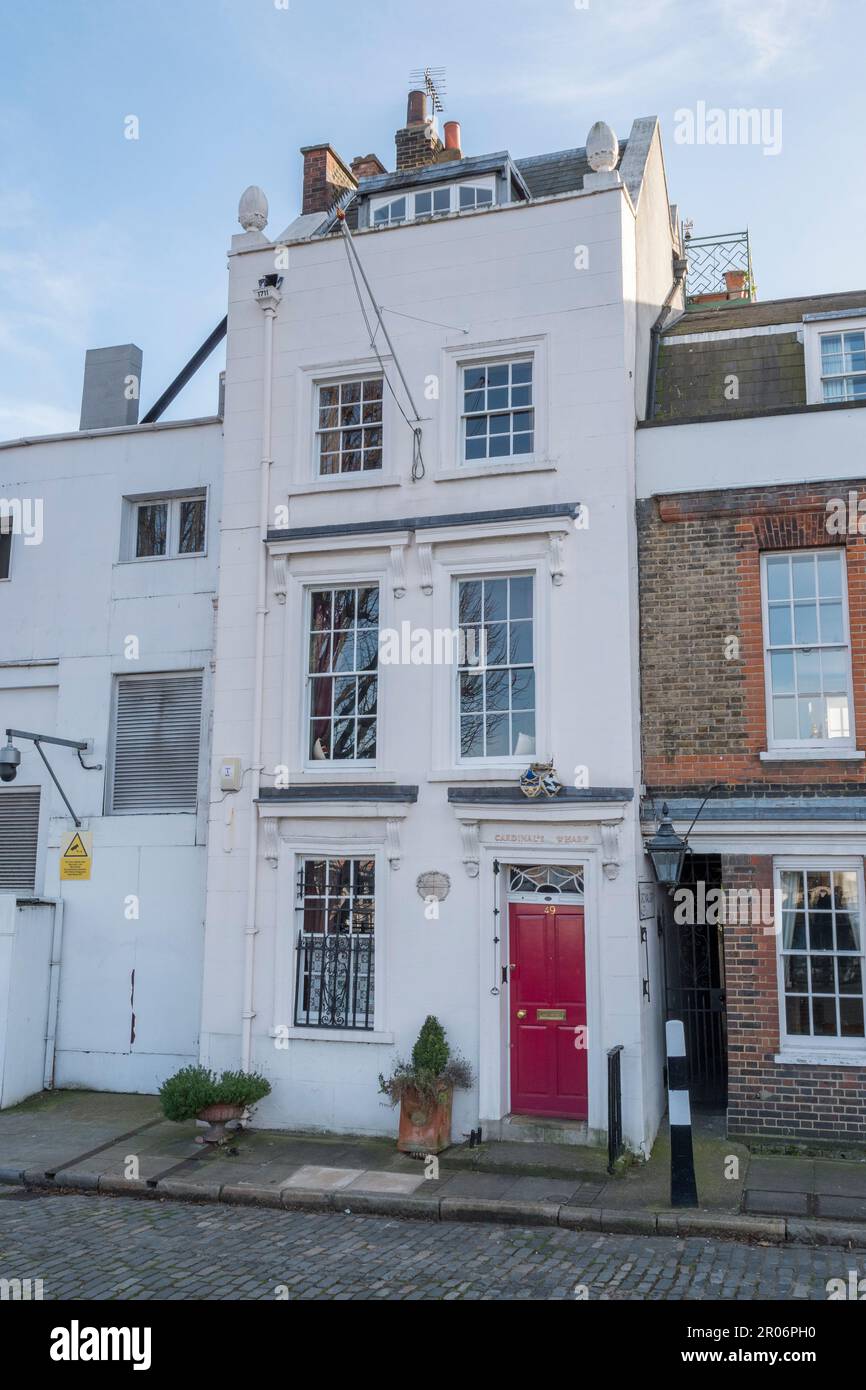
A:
196, 1092
424, 1088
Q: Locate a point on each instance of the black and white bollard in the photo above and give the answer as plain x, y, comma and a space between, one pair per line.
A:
684, 1191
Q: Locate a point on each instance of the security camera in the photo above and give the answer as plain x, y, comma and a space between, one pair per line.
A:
10, 757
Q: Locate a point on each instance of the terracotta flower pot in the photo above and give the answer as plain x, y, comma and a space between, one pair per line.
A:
216, 1116
425, 1128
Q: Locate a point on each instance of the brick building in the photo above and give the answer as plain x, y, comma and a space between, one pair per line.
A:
752, 555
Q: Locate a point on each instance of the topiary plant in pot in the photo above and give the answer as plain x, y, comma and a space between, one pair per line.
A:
197, 1093
424, 1089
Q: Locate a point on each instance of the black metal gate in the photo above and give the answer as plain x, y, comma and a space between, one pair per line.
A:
695, 983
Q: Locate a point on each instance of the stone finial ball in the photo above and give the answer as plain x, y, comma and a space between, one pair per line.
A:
602, 148
253, 209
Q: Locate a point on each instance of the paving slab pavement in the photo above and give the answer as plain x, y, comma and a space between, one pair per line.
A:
85, 1140
52, 1129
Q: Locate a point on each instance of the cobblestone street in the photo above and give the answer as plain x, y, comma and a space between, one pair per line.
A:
102, 1248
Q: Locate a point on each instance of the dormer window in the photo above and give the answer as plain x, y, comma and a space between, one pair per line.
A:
433, 202
390, 214
474, 195
835, 354
843, 366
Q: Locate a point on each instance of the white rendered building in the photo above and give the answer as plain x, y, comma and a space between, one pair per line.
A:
108, 576
464, 484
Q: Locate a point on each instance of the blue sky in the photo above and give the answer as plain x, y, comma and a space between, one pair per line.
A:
106, 240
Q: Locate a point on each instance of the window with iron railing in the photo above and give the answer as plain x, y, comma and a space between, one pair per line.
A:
334, 984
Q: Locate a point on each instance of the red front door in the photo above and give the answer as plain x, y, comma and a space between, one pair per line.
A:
548, 1010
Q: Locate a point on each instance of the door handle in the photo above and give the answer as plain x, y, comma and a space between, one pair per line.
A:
521, 1013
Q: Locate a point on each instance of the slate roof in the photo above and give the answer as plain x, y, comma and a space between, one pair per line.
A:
443, 171
770, 367
690, 377
545, 175
711, 318
562, 172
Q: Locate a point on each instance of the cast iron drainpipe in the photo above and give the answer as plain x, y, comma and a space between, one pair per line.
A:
269, 304
680, 267
53, 993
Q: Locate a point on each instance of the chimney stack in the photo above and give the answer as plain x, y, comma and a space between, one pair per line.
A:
417, 143
735, 284
112, 385
325, 178
364, 166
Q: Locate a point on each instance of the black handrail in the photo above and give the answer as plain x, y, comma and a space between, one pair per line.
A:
614, 1107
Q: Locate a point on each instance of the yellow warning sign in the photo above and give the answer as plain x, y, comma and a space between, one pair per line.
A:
76, 854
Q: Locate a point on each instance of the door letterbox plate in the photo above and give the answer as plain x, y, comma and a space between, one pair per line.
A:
551, 1015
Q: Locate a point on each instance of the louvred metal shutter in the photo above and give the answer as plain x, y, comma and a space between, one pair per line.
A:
157, 730
19, 838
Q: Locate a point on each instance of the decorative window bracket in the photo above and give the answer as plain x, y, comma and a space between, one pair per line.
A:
471, 854
271, 839
392, 843
610, 851
425, 561
280, 577
556, 555
398, 571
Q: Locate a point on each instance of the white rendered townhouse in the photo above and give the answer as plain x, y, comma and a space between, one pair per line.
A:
427, 583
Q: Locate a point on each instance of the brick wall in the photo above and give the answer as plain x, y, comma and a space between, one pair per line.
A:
417, 146
767, 1098
703, 709
325, 178
693, 378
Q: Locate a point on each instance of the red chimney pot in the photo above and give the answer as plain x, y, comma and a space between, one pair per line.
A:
416, 113
452, 135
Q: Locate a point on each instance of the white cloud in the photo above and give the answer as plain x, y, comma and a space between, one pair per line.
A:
52, 288
20, 418
773, 30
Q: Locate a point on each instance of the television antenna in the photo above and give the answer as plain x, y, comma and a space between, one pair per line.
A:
432, 81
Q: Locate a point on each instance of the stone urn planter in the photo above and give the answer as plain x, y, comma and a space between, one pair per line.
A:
216, 1117
196, 1093
424, 1089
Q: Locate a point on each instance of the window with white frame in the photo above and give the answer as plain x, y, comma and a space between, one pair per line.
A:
498, 415
334, 979
496, 674
349, 426
821, 953
433, 202
808, 668
843, 365
342, 673
390, 213
473, 195
156, 742
167, 527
